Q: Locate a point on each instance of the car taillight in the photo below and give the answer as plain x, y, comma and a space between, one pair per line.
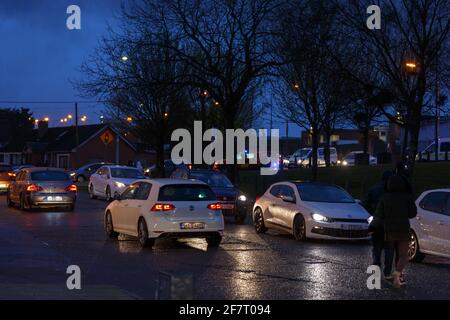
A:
72, 188
11, 174
163, 207
215, 206
33, 188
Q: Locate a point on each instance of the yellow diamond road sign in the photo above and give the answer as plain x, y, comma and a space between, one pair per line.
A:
106, 137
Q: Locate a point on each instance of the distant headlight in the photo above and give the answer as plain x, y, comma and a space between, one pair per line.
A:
285, 161
320, 218
147, 170
339, 162
120, 184
345, 163
72, 174
370, 219
242, 198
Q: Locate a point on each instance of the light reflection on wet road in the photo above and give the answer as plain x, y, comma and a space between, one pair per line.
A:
36, 248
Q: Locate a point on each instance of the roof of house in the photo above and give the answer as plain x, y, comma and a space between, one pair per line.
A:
58, 139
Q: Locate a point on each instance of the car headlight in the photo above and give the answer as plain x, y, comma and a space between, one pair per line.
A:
72, 174
345, 163
370, 219
242, 198
120, 184
339, 162
320, 218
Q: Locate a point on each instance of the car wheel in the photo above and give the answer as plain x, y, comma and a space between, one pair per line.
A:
91, 192
143, 238
108, 194
81, 179
414, 253
299, 229
109, 227
258, 221
214, 241
9, 203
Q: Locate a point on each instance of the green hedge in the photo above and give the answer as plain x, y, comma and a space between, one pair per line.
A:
356, 180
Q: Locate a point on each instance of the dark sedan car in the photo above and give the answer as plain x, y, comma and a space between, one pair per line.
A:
6, 176
234, 203
43, 188
84, 173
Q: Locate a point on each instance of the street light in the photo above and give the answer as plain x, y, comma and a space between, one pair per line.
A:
129, 119
124, 58
296, 86
69, 116
46, 119
166, 115
83, 119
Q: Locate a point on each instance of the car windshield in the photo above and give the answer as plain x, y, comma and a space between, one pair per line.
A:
126, 173
188, 192
49, 176
323, 193
213, 179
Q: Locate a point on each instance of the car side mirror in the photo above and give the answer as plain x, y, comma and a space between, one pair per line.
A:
288, 199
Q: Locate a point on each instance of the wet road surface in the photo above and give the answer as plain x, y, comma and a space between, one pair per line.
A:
37, 247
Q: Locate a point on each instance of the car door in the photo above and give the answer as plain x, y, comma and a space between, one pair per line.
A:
94, 180
123, 208
287, 207
102, 181
272, 203
136, 206
431, 218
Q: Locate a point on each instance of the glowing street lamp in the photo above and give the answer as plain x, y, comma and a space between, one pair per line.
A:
166, 115
124, 58
83, 119
46, 119
69, 116
129, 119
296, 86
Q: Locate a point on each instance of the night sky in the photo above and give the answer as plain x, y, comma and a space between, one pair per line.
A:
39, 55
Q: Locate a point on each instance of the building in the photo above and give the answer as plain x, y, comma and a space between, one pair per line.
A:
57, 147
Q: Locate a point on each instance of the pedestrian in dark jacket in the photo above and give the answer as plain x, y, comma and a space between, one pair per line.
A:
376, 227
395, 209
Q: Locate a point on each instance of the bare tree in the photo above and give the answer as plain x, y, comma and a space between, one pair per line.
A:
312, 91
136, 76
414, 36
224, 45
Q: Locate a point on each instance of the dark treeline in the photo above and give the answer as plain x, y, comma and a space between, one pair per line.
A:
175, 61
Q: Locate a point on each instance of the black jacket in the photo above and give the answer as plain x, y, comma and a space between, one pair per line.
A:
395, 209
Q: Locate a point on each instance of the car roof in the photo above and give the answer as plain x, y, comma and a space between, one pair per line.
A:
118, 167
299, 182
37, 169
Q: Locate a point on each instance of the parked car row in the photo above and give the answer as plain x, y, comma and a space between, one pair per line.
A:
302, 158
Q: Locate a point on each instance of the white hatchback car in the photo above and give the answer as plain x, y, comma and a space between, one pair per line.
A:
166, 208
430, 230
311, 210
110, 181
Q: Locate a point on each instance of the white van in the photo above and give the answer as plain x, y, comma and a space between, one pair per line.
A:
444, 147
300, 158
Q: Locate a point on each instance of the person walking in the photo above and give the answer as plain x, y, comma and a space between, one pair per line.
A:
376, 227
395, 209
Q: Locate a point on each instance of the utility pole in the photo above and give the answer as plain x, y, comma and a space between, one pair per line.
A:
118, 137
436, 126
77, 137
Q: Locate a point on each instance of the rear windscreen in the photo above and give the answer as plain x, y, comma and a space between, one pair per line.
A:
189, 192
49, 176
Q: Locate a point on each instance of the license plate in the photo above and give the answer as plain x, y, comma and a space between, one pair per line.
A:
352, 227
192, 225
54, 198
228, 206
